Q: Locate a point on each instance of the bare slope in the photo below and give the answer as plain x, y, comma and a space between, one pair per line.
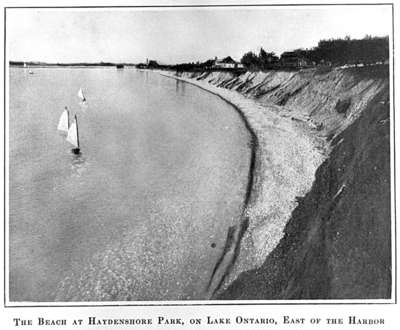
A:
337, 242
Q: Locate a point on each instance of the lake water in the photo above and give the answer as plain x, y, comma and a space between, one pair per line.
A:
143, 212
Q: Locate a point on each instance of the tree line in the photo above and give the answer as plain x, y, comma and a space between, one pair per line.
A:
331, 51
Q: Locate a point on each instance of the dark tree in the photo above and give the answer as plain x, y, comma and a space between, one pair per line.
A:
250, 60
368, 50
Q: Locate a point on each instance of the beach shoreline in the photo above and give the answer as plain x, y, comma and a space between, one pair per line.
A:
254, 238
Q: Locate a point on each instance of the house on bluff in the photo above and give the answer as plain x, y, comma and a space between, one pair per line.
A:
293, 60
226, 63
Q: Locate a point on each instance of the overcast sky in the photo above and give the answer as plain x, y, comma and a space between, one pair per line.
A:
183, 34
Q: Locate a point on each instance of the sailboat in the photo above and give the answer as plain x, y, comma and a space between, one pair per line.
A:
73, 136
25, 67
81, 96
63, 123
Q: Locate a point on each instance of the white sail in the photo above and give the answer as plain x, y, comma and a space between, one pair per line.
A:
63, 122
24, 65
80, 95
72, 136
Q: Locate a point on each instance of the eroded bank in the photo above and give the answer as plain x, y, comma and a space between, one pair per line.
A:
318, 219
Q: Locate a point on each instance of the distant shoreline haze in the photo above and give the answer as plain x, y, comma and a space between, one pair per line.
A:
333, 51
34, 63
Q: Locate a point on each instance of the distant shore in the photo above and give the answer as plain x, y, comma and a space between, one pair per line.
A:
81, 64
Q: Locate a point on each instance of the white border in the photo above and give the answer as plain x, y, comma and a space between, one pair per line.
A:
200, 302
308, 306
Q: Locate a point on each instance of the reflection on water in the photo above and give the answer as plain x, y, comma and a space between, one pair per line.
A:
146, 76
78, 164
83, 105
180, 87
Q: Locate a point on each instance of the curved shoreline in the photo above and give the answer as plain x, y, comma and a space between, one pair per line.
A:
253, 141
264, 215
235, 233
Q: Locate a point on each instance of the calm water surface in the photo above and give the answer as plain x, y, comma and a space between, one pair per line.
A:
161, 177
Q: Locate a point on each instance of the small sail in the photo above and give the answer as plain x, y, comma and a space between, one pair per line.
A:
80, 95
72, 136
24, 65
63, 122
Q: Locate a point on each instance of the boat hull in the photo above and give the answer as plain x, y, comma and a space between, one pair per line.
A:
76, 151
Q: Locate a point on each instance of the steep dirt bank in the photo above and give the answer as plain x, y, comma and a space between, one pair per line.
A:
337, 243
291, 113
327, 100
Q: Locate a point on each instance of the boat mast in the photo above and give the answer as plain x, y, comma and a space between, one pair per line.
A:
77, 132
66, 108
